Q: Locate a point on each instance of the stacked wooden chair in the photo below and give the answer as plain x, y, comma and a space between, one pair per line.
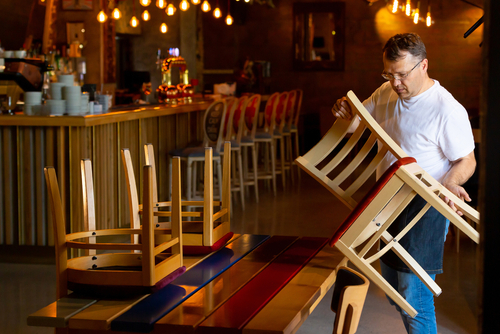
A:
123, 271
212, 228
331, 163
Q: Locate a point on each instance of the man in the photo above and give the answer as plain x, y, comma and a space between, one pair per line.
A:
431, 126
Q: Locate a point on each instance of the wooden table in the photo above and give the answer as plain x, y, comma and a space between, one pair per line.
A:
256, 284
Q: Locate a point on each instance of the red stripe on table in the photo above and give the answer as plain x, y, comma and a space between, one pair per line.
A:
249, 300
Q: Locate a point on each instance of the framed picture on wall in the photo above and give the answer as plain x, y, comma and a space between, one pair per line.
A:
77, 4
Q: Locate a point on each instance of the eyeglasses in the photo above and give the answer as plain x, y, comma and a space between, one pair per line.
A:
388, 76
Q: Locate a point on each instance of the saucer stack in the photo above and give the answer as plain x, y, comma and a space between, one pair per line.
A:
85, 102
66, 79
31, 99
56, 107
73, 97
104, 100
56, 90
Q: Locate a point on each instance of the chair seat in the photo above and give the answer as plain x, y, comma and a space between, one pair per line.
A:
369, 197
191, 152
262, 135
247, 140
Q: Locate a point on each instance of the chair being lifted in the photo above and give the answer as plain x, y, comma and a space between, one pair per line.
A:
372, 216
209, 233
120, 273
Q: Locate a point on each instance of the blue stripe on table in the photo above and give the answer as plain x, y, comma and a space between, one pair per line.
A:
142, 316
249, 300
186, 317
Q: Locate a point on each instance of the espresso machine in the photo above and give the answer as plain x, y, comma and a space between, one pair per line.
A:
20, 75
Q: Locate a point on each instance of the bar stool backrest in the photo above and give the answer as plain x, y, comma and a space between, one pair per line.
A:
239, 118
252, 114
298, 106
231, 103
213, 125
270, 112
290, 106
281, 111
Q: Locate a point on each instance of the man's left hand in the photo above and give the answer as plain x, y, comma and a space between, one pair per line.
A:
460, 193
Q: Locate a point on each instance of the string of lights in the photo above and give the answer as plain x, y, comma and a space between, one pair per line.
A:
412, 12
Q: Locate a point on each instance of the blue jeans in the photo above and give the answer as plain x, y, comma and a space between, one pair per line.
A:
418, 295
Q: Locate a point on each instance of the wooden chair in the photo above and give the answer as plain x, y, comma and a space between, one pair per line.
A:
248, 143
213, 125
117, 273
372, 216
213, 228
233, 132
294, 126
264, 136
349, 294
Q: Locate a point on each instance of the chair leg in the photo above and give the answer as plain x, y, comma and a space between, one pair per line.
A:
273, 165
282, 158
290, 156
240, 174
219, 178
376, 278
255, 179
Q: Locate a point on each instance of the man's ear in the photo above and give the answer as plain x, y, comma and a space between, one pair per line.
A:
426, 64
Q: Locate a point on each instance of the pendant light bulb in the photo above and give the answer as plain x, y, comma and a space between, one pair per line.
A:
145, 3
116, 14
229, 20
408, 8
428, 20
195, 2
205, 6
161, 4
217, 13
163, 28
145, 15
247, 1
395, 6
102, 17
170, 10
416, 16
134, 22
184, 5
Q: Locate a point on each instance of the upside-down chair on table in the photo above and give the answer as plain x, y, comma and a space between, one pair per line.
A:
375, 212
118, 273
212, 230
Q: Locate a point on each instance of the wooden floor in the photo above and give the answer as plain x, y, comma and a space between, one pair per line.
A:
306, 210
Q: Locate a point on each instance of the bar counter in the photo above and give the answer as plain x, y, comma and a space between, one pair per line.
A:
29, 143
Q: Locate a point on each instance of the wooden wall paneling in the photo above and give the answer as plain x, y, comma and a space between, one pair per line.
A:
40, 198
50, 160
10, 187
27, 225
166, 143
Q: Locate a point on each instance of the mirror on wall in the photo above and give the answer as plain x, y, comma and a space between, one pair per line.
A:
318, 35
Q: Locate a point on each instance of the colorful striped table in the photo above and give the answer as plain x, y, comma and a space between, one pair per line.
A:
255, 284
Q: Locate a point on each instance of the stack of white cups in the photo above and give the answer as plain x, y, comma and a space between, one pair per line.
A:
73, 97
31, 99
56, 90
104, 100
85, 102
57, 107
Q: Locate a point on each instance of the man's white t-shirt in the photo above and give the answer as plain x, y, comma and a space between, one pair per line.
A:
432, 127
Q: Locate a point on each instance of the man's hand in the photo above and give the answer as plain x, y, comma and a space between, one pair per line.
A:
342, 109
460, 193
461, 170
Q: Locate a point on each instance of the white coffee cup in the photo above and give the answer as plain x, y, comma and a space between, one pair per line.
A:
8, 54
20, 54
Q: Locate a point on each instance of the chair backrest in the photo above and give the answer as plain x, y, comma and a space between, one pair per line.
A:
290, 107
298, 106
133, 196
252, 114
343, 162
89, 223
239, 119
349, 294
270, 112
281, 110
213, 124
231, 103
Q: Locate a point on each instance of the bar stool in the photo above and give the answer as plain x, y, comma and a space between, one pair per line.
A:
265, 136
232, 132
294, 132
279, 136
248, 142
213, 124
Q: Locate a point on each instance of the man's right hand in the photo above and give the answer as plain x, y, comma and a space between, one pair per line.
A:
342, 109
